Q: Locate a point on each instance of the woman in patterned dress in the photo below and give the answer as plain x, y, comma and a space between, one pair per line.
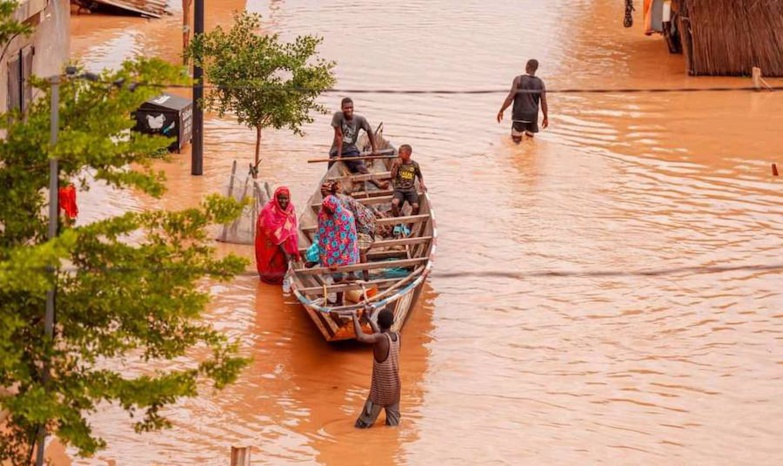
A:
363, 215
337, 238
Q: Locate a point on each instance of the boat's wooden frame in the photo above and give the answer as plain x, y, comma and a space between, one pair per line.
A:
415, 253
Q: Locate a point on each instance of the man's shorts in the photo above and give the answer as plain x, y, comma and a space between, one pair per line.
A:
371, 411
354, 167
411, 196
520, 127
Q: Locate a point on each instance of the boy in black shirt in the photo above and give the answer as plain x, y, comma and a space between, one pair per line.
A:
403, 174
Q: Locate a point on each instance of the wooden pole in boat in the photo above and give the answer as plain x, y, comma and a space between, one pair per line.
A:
382, 154
240, 456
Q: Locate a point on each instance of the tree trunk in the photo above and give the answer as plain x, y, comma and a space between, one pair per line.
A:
185, 26
258, 151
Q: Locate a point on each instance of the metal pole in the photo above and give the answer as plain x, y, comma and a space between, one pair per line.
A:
54, 208
197, 153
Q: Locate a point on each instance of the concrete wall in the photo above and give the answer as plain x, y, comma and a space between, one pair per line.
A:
50, 41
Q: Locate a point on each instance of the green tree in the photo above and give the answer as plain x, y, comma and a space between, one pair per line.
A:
9, 26
128, 287
259, 79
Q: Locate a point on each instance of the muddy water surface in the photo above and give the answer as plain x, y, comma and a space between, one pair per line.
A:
595, 363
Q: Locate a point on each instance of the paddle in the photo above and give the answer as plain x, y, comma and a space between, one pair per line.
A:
384, 154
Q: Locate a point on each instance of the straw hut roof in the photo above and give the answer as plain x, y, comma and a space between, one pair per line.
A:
730, 37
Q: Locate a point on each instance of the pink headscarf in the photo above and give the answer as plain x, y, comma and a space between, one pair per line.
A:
278, 224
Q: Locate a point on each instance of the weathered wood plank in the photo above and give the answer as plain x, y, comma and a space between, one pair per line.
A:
319, 290
393, 242
366, 194
358, 267
397, 220
360, 178
388, 254
366, 201
400, 242
386, 221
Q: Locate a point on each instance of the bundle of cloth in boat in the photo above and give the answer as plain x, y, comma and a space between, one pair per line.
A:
276, 237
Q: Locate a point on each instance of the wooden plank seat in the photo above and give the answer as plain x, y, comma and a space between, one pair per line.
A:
387, 254
367, 194
319, 290
421, 218
359, 267
389, 243
400, 242
360, 178
365, 201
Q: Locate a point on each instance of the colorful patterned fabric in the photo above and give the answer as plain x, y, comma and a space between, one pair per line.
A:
337, 234
364, 216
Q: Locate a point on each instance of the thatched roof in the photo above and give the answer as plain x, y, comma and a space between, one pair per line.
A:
730, 37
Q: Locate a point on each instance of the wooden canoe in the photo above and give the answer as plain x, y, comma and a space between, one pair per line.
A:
398, 266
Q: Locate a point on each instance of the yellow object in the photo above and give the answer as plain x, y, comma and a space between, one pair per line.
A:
355, 296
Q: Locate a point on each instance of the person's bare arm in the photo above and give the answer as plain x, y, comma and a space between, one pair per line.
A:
360, 335
421, 179
338, 141
373, 325
395, 168
544, 108
509, 98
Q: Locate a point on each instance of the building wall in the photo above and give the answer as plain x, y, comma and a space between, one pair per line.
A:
49, 43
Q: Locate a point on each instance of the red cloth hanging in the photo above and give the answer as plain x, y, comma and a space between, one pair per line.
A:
67, 197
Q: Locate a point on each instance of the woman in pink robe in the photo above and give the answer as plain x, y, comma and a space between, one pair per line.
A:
277, 239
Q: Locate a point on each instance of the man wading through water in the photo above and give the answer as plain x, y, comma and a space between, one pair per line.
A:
385, 388
524, 114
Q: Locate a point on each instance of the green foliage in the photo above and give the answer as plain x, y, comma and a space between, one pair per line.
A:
259, 79
127, 286
9, 27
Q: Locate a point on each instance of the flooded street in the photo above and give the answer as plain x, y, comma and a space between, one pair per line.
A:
591, 323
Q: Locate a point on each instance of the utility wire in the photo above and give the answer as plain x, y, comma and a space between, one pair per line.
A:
622, 90
652, 272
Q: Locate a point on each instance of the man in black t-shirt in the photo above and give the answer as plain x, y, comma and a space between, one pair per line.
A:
526, 92
346, 126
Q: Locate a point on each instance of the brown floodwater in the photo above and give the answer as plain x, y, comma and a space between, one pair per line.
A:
596, 362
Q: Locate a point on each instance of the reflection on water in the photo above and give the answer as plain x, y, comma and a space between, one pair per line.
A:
541, 370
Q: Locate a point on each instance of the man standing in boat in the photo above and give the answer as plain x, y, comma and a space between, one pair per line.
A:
526, 92
346, 126
386, 385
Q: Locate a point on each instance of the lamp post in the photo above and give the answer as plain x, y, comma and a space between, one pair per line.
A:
54, 207
54, 214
